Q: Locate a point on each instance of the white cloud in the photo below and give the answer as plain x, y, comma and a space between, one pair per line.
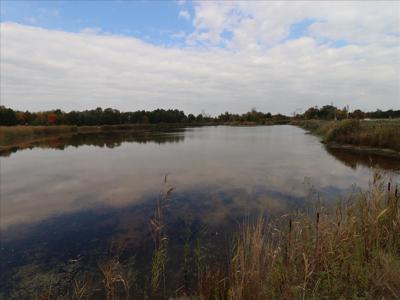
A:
184, 14
44, 69
268, 23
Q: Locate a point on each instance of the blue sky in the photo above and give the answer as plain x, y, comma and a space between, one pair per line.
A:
203, 55
155, 21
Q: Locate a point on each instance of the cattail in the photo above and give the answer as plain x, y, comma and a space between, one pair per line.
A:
316, 233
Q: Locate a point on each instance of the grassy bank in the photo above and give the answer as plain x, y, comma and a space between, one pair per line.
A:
13, 136
351, 252
383, 134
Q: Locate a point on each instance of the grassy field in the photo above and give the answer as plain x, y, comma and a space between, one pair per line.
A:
382, 134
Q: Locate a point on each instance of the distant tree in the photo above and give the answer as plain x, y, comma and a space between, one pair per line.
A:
111, 116
311, 113
20, 117
7, 116
341, 114
145, 119
358, 114
51, 118
191, 118
327, 112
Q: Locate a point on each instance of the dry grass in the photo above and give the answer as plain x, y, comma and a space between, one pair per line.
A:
15, 134
354, 253
117, 277
377, 134
160, 238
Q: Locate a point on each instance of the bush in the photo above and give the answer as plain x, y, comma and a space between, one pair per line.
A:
341, 131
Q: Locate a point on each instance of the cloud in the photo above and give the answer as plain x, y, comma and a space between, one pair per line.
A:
184, 14
45, 69
268, 23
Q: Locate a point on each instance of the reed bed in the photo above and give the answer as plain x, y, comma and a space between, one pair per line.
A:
15, 134
351, 254
377, 134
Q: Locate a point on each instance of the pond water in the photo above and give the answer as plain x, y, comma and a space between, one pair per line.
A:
74, 198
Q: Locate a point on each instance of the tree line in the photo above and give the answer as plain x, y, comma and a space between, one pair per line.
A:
330, 112
110, 116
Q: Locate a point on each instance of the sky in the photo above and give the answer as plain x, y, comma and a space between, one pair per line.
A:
200, 56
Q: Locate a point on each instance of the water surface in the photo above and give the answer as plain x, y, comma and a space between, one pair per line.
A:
70, 198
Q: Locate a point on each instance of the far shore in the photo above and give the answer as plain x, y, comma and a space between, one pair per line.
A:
345, 135
15, 136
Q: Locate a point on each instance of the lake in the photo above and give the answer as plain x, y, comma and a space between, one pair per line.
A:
70, 201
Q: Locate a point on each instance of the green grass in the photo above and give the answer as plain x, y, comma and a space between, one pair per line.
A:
384, 134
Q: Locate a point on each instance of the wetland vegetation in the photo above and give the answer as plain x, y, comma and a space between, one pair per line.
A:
381, 134
350, 250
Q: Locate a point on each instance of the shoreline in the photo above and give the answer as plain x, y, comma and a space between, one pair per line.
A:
357, 136
389, 153
12, 137
24, 135
16, 136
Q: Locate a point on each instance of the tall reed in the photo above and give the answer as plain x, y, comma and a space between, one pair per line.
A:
352, 253
160, 255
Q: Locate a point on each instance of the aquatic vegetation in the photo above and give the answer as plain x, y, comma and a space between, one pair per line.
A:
117, 276
377, 134
160, 255
351, 251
